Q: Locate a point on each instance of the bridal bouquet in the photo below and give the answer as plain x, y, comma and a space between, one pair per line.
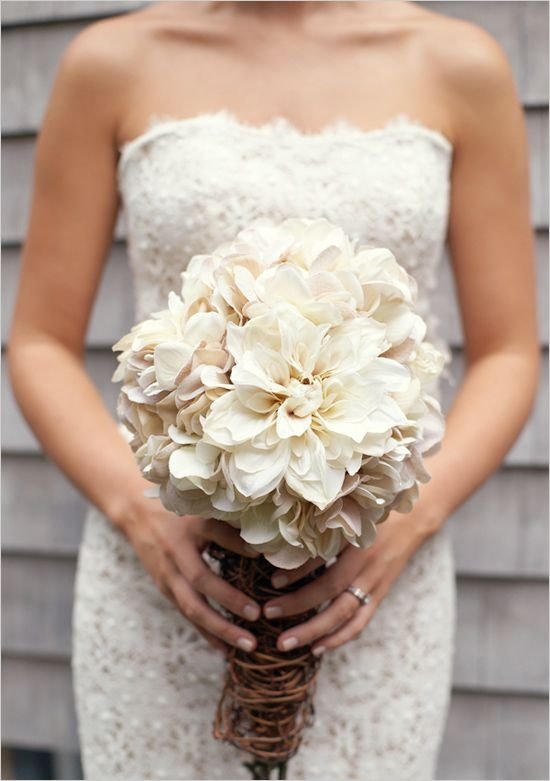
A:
286, 389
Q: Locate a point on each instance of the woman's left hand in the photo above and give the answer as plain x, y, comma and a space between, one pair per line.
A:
373, 569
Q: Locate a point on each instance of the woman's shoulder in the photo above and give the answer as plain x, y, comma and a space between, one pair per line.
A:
470, 68
102, 54
467, 56
104, 60
120, 47
455, 49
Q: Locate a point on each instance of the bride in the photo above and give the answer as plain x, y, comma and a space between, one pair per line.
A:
402, 126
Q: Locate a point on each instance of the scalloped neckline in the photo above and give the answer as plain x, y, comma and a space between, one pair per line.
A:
163, 123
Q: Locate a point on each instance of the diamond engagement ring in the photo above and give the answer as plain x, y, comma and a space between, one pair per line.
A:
363, 598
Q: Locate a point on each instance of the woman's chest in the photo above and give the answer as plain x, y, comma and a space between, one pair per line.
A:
188, 186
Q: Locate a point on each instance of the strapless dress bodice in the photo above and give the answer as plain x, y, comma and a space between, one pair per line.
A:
187, 185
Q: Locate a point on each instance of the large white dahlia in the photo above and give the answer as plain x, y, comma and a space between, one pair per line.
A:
286, 390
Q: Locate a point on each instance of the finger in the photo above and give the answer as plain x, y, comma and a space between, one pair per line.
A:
197, 610
227, 537
348, 631
201, 577
327, 586
352, 628
214, 642
339, 612
284, 577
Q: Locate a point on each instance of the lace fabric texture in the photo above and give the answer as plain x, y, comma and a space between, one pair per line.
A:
146, 683
189, 184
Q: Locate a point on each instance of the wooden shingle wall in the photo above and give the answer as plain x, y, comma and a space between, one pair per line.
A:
497, 726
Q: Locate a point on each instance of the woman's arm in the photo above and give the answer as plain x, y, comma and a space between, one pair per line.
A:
73, 213
491, 244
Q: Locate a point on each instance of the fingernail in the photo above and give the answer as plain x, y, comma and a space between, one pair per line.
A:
290, 643
251, 612
273, 611
245, 644
279, 581
319, 650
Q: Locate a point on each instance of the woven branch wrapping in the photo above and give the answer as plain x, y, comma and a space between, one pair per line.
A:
267, 697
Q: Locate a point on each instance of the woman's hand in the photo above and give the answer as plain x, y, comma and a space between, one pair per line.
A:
169, 547
373, 569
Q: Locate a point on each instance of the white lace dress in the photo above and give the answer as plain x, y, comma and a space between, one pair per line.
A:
146, 683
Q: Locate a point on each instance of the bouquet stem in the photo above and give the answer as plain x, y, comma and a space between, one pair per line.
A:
267, 697
263, 769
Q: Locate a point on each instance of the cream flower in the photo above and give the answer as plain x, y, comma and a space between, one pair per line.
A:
153, 457
136, 362
427, 362
307, 402
288, 391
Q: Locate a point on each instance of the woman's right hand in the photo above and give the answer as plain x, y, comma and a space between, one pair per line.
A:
170, 547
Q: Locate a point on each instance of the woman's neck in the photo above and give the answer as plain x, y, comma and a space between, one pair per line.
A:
293, 10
